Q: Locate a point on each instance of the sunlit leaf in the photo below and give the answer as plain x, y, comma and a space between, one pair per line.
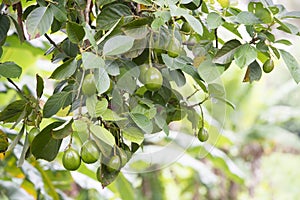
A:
39, 21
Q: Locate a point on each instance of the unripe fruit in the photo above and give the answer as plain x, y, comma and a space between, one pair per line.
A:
114, 163
203, 135
71, 159
186, 28
268, 66
153, 79
174, 48
32, 134
89, 152
142, 76
89, 85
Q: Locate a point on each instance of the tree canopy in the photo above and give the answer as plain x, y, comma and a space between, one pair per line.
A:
127, 72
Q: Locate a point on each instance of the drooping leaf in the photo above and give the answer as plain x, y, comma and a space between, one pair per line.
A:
111, 14
102, 80
214, 20
292, 64
5, 24
101, 107
142, 122
103, 134
10, 70
245, 55
110, 115
39, 86
44, 146
133, 134
75, 32
65, 70
92, 61
62, 132
226, 53
195, 23
117, 45
12, 112
39, 21
55, 103
253, 72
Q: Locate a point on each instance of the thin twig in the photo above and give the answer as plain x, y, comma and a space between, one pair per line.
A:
17, 87
87, 11
19, 9
52, 42
216, 35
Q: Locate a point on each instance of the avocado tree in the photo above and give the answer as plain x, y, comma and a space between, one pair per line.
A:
126, 70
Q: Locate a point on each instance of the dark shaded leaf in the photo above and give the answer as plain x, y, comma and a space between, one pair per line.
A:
55, 103
44, 146
5, 24
39, 86
12, 112
253, 72
65, 70
10, 70
111, 14
75, 32
62, 132
226, 53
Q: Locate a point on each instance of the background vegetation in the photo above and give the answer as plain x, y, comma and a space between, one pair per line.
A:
252, 151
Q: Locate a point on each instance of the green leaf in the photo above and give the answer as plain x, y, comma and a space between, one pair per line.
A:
44, 146
65, 70
133, 134
5, 24
283, 41
216, 90
91, 104
247, 18
117, 45
177, 11
245, 55
226, 53
75, 32
292, 64
10, 70
12, 112
178, 77
161, 123
142, 122
55, 103
292, 14
59, 13
39, 21
111, 14
209, 71
253, 72
39, 86
102, 80
195, 23
101, 107
62, 132
103, 134
174, 63
92, 61
109, 115
229, 103
214, 20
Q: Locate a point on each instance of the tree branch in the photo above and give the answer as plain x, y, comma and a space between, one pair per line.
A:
19, 9
52, 42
